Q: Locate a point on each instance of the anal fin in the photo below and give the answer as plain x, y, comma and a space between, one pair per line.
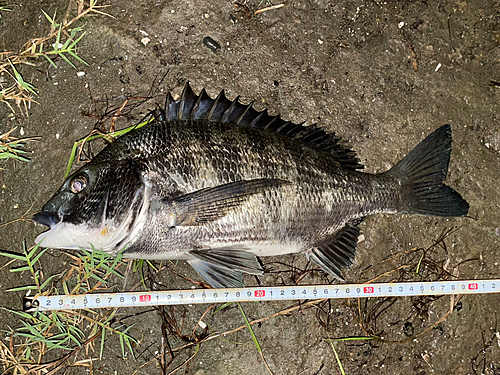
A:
338, 252
223, 267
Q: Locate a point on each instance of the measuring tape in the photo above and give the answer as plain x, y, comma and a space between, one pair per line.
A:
275, 293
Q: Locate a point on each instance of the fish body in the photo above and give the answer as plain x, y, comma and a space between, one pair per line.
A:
218, 184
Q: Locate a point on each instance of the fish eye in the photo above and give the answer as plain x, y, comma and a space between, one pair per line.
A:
78, 184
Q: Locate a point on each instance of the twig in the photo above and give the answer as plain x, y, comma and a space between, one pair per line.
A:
268, 8
23, 217
186, 361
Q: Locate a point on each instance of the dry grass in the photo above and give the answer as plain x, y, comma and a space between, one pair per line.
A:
60, 42
12, 147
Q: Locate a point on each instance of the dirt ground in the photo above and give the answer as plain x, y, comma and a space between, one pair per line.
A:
382, 75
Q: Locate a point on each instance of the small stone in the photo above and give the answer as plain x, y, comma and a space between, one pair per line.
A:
211, 43
145, 41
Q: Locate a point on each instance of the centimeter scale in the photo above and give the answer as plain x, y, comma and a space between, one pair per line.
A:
275, 293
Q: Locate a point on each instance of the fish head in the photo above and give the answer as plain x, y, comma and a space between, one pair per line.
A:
95, 208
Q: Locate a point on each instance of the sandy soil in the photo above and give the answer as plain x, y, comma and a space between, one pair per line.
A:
382, 75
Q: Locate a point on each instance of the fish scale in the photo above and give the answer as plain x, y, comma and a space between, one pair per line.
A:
217, 183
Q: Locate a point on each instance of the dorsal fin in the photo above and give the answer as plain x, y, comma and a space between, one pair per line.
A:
202, 107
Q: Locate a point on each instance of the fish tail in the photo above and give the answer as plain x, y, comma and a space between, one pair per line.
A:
421, 174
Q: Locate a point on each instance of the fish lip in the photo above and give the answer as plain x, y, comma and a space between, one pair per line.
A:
47, 218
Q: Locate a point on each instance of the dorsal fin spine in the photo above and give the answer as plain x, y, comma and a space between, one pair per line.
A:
214, 105
227, 112
275, 118
180, 107
202, 107
280, 129
196, 106
249, 106
256, 119
170, 107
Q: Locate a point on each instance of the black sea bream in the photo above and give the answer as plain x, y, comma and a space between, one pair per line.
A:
217, 183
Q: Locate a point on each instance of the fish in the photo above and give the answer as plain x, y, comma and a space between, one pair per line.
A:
219, 184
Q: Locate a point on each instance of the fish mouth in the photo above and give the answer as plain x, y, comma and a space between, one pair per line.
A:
49, 219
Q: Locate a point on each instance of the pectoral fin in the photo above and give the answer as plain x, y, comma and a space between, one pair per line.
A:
211, 204
338, 252
223, 267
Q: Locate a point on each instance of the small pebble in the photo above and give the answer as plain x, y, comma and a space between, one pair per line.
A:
80, 74
437, 67
145, 40
210, 43
497, 232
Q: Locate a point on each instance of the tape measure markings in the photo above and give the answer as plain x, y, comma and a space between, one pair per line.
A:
276, 293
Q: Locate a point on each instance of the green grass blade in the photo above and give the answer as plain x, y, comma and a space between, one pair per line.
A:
64, 47
13, 256
338, 359
58, 38
78, 57
22, 314
50, 60
13, 156
61, 54
75, 42
35, 259
102, 342
419, 263
71, 160
20, 269
46, 282
126, 339
48, 17
254, 338
19, 288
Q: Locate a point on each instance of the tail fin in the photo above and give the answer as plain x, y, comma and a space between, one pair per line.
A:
422, 172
